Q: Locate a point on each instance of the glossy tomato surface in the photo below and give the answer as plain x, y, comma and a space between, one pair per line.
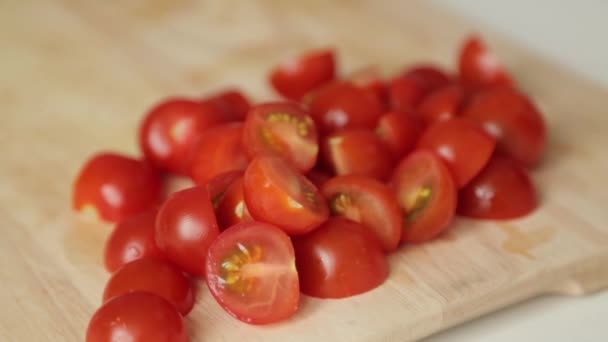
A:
297, 77
159, 277
405, 94
251, 273
429, 77
340, 259
132, 239
185, 227
137, 316
462, 145
277, 193
232, 208
442, 104
284, 129
113, 187
232, 103
479, 67
369, 202
399, 131
218, 185
427, 195
503, 190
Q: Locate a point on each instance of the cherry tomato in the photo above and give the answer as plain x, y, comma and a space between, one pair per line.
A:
251, 273
218, 185
464, 147
503, 190
284, 129
427, 194
344, 105
318, 177
340, 259
367, 201
277, 193
159, 277
430, 77
513, 120
370, 78
399, 131
113, 187
479, 67
232, 208
233, 104
137, 316
219, 150
132, 239
185, 227
405, 93
442, 104
170, 131
295, 78
357, 152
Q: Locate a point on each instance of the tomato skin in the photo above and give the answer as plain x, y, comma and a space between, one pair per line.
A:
170, 131
282, 128
442, 104
273, 294
219, 150
513, 119
399, 131
159, 277
232, 103
370, 78
116, 187
479, 67
429, 77
463, 146
132, 239
142, 316
318, 177
296, 78
218, 185
503, 190
185, 227
427, 216
405, 94
232, 208
338, 260
369, 202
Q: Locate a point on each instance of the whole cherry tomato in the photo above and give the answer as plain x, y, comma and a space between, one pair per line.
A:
232, 208
399, 131
479, 67
442, 104
232, 103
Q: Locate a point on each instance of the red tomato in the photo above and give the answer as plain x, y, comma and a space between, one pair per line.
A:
367, 201
159, 277
137, 316
252, 275
218, 185
318, 177
344, 105
232, 208
340, 259
232, 103
513, 120
219, 150
503, 190
405, 93
113, 187
442, 104
132, 239
370, 78
284, 129
463, 146
430, 77
357, 152
399, 131
170, 131
479, 67
277, 193
185, 227
295, 78
427, 194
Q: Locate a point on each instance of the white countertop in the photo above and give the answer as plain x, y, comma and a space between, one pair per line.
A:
574, 34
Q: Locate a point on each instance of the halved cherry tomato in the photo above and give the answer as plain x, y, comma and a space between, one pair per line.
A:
137, 316
514, 121
430, 77
318, 177
284, 129
405, 93
370, 78
357, 152
503, 190
132, 239
170, 131
442, 104
159, 277
464, 147
295, 78
344, 105
367, 201
399, 131
232, 103
113, 187
479, 67
277, 193
427, 194
232, 208
218, 185
251, 273
340, 259
185, 227
219, 150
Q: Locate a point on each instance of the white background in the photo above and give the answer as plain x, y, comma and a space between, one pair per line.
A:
574, 33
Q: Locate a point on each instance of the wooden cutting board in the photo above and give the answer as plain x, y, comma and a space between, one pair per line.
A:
76, 77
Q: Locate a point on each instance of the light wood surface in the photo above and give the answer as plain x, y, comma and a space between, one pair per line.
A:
76, 76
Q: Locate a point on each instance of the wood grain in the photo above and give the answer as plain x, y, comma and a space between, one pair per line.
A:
77, 76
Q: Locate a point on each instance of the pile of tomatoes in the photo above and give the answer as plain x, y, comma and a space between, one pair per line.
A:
306, 195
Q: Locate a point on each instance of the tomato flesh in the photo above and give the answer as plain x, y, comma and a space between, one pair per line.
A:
297, 77
218, 185
442, 104
232, 208
232, 103
399, 131
318, 177
479, 67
